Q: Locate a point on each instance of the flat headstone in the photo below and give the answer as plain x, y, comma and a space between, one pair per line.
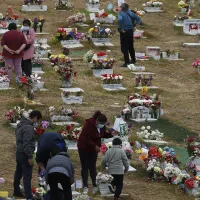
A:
100, 42
92, 8
113, 87
65, 123
191, 26
153, 9
143, 73
112, 195
71, 44
72, 89
156, 142
178, 23
32, 8
192, 44
149, 87
143, 120
43, 33
97, 72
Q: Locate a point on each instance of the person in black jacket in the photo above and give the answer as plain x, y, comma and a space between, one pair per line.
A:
25, 142
45, 144
60, 169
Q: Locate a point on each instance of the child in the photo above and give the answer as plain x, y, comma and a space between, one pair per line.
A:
115, 158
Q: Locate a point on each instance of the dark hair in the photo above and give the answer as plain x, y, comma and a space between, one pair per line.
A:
117, 141
55, 150
12, 26
35, 113
100, 117
27, 21
124, 6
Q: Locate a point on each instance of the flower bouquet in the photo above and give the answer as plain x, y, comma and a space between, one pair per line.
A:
92, 5
10, 16
149, 134
98, 31
104, 18
171, 171
72, 96
31, 2
196, 64
37, 84
40, 128
102, 181
111, 78
171, 54
4, 80
128, 151
183, 6
76, 18
143, 80
37, 63
193, 146
62, 114
152, 6
64, 5
179, 20
26, 84
38, 23
88, 56
139, 13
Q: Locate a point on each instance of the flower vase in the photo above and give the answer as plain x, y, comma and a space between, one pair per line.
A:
66, 84
41, 27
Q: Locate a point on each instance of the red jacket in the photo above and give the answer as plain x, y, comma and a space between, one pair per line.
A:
13, 40
90, 137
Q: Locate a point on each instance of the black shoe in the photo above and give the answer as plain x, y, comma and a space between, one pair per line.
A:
124, 65
111, 188
20, 194
133, 62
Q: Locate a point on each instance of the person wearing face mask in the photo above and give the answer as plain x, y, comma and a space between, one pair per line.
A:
89, 144
25, 147
29, 49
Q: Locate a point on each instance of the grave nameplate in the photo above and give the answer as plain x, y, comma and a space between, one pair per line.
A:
113, 87
97, 72
71, 44
102, 42
92, 7
29, 8
153, 9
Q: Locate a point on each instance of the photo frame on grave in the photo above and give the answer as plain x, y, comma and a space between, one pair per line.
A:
191, 26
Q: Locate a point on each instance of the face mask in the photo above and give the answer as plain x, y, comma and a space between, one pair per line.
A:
100, 125
25, 28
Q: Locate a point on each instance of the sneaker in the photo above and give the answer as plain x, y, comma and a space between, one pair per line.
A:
111, 188
85, 190
95, 190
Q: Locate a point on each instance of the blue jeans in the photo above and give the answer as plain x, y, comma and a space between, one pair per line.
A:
23, 169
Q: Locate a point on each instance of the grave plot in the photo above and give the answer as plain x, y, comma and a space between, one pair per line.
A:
62, 116
72, 95
41, 49
33, 5
173, 55
102, 17
179, 20
38, 23
69, 37
153, 52
77, 19
112, 82
101, 64
100, 36
144, 79
4, 80
38, 85
191, 26
37, 66
153, 6
64, 5
142, 108
92, 5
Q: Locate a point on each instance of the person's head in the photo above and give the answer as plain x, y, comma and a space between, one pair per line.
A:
117, 141
35, 116
124, 7
12, 26
26, 25
100, 118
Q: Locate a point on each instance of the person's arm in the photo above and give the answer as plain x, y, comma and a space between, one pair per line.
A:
125, 161
120, 22
41, 166
135, 18
3, 44
105, 160
22, 46
32, 37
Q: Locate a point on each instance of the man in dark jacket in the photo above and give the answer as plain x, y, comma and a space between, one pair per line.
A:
60, 169
25, 142
45, 144
126, 20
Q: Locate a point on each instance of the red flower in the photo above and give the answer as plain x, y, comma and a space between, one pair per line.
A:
190, 139
131, 143
189, 183
33, 190
101, 54
68, 127
192, 148
24, 80
104, 15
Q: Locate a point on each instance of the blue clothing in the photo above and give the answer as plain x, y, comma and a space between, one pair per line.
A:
125, 22
45, 145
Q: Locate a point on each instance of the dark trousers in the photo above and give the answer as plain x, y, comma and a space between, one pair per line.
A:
27, 67
88, 163
23, 169
118, 183
54, 179
126, 41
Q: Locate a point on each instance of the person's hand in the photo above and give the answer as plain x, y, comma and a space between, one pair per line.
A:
17, 52
125, 171
10, 51
30, 161
114, 133
97, 149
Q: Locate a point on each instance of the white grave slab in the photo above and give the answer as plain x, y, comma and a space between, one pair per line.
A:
171, 57
140, 56
152, 9
65, 123
97, 72
191, 26
35, 8
101, 42
5, 86
132, 67
113, 87
92, 7
157, 142
72, 89
143, 73
178, 22
192, 44
71, 44
149, 87
112, 195
43, 33
153, 52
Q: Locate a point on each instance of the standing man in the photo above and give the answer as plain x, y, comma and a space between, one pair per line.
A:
126, 21
25, 142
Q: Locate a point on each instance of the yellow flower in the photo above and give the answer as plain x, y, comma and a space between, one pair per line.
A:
105, 59
160, 150
138, 151
91, 29
58, 34
198, 177
144, 89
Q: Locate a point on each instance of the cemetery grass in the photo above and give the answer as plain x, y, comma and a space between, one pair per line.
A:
178, 83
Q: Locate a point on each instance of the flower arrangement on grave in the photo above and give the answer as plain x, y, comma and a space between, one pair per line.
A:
181, 18
38, 23
103, 63
139, 13
64, 4
76, 18
103, 15
4, 78
149, 134
193, 146
70, 132
2, 62
40, 128
143, 80
35, 78
37, 63
93, 2
30, 2
68, 94
63, 34
98, 31
88, 56
9, 16
196, 64
103, 178
174, 54
26, 84
152, 3
16, 114
111, 78
182, 4
128, 150
62, 114
38, 193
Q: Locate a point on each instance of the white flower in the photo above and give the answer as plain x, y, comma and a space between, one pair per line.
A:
120, 77
148, 127
51, 108
143, 128
35, 78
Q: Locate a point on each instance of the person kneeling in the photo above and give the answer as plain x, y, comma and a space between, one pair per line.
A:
116, 159
60, 169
